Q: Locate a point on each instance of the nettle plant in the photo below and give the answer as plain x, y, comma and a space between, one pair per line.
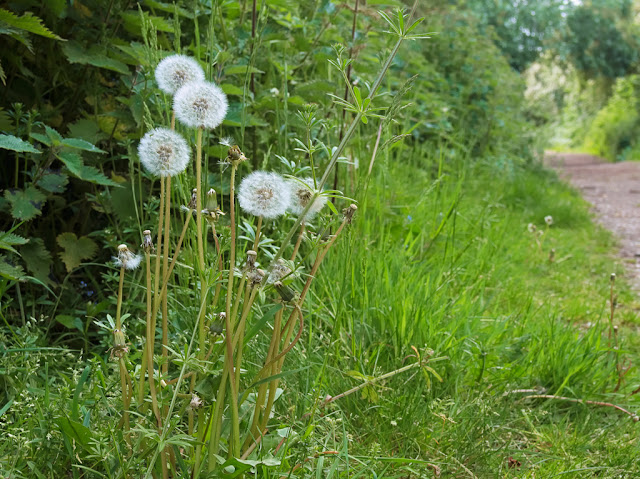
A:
242, 289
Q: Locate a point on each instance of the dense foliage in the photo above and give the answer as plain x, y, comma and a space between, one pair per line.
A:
433, 311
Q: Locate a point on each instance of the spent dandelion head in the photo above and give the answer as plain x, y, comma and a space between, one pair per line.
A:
531, 227
147, 242
279, 270
549, 220
175, 71
302, 193
264, 194
164, 152
200, 105
126, 259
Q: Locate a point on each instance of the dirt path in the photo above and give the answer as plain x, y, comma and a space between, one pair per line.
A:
614, 191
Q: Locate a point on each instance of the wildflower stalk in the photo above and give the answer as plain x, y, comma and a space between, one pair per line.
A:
235, 446
123, 368
156, 285
165, 430
199, 198
256, 242
165, 277
149, 350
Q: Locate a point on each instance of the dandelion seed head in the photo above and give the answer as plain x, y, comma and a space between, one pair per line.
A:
549, 220
200, 104
175, 71
531, 227
126, 259
164, 152
301, 196
264, 194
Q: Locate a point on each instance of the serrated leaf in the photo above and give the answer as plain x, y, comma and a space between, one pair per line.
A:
27, 22
53, 182
8, 240
80, 144
77, 168
75, 249
10, 142
95, 56
41, 138
53, 135
38, 259
9, 270
25, 204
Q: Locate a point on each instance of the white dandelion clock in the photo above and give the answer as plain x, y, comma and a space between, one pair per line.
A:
175, 71
164, 152
126, 259
264, 194
301, 196
200, 105
548, 220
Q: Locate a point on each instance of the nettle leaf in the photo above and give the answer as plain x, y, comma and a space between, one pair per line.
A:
10, 142
75, 249
38, 259
25, 204
94, 56
9, 270
8, 240
53, 182
77, 168
80, 144
28, 22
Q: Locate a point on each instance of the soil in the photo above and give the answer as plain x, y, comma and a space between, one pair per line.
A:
614, 191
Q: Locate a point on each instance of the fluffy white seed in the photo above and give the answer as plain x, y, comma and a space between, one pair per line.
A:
264, 194
164, 152
301, 196
175, 71
126, 259
200, 105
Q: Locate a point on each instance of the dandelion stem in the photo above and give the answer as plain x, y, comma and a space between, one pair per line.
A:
165, 277
297, 246
199, 198
256, 242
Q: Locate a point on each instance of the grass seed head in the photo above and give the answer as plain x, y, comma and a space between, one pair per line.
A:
164, 152
200, 105
175, 71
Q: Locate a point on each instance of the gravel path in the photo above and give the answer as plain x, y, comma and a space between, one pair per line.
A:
614, 191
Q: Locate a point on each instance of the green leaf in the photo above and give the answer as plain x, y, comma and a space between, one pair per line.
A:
75, 430
230, 89
41, 138
241, 69
10, 142
77, 168
95, 56
53, 135
79, 144
75, 249
27, 22
25, 204
9, 270
38, 259
8, 240
53, 182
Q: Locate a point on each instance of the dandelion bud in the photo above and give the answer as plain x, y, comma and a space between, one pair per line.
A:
235, 155
200, 105
193, 204
531, 227
164, 152
548, 220
217, 327
212, 200
301, 194
126, 259
147, 243
349, 212
613, 277
175, 71
635, 418
251, 259
120, 347
196, 402
264, 194
287, 294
